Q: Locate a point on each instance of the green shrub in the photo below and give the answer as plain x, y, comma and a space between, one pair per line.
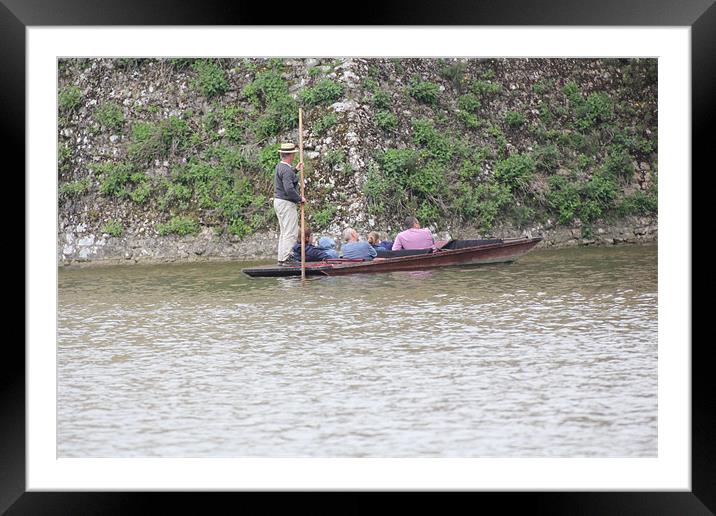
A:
595, 110
121, 180
109, 115
468, 105
322, 218
141, 192
175, 194
514, 119
585, 144
541, 86
584, 162
545, 114
429, 180
638, 203
468, 102
517, 171
64, 156
546, 158
370, 84
267, 87
377, 189
424, 91
469, 119
70, 98
178, 226
381, 99
75, 188
325, 91
404, 182
599, 194
471, 168
239, 228
632, 142
563, 198
484, 202
481, 88
438, 144
151, 141
396, 163
234, 121
115, 177
334, 157
386, 120
268, 159
232, 159
211, 78
324, 123
619, 163
500, 140
280, 115
573, 93
337, 159
113, 228
428, 213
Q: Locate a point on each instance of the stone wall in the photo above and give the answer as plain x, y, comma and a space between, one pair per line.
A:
79, 246
155, 90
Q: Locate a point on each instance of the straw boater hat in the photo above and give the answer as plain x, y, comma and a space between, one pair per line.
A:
287, 148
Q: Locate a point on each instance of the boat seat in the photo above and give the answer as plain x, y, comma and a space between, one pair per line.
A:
402, 252
462, 244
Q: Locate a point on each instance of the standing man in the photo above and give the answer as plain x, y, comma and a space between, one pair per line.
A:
286, 197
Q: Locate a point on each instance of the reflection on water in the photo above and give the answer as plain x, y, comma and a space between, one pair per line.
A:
552, 356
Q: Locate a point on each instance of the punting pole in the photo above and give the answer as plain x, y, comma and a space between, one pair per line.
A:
303, 220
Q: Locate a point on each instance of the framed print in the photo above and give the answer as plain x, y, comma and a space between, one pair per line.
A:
49, 51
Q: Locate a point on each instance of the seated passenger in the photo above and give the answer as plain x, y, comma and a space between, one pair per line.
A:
374, 240
328, 245
388, 244
413, 237
354, 248
313, 253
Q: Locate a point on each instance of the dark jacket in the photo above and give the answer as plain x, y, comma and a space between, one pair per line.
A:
286, 182
313, 253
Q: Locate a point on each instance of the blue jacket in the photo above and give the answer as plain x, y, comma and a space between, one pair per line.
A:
313, 253
358, 250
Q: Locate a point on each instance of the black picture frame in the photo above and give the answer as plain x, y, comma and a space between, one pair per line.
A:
16, 15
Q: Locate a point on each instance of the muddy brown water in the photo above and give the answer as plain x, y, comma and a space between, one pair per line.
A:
552, 356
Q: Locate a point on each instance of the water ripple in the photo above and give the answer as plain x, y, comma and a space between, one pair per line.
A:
552, 356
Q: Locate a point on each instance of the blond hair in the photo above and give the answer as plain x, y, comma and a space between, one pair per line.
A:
373, 237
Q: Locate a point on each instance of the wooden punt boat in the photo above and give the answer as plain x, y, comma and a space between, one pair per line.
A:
450, 253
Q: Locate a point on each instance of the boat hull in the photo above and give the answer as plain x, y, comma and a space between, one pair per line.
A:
502, 252
483, 255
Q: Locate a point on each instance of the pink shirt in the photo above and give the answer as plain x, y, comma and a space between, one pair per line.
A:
414, 239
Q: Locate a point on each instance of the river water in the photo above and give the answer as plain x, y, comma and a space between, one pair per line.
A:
552, 356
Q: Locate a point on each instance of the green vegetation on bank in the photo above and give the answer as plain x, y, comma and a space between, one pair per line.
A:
113, 228
110, 116
465, 146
